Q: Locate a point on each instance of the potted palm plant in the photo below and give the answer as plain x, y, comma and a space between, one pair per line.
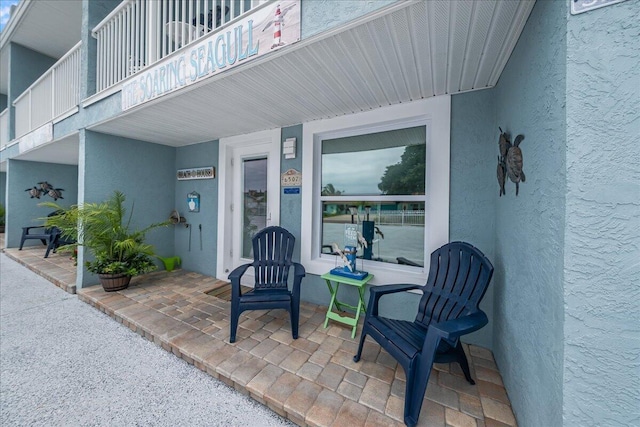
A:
104, 229
1, 218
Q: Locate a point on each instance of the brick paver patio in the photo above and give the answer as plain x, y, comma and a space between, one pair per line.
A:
312, 380
58, 268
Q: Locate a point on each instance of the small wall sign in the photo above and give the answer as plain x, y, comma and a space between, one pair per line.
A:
193, 201
208, 172
291, 178
581, 6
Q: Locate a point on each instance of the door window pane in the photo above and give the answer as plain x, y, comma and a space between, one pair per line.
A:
254, 207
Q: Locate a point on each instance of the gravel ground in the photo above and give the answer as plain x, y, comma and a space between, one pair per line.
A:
64, 363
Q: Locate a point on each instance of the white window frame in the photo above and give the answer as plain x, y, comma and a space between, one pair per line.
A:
435, 114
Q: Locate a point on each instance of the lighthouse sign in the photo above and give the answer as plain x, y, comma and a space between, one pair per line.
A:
270, 27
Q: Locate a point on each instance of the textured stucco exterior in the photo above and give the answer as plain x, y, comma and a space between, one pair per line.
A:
473, 196
322, 15
602, 233
23, 76
564, 316
26, 211
107, 108
92, 13
144, 172
291, 204
3, 188
529, 310
203, 225
473, 187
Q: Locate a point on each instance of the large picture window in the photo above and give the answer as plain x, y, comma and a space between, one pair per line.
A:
383, 195
386, 172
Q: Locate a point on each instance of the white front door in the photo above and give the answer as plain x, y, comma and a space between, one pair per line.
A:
249, 195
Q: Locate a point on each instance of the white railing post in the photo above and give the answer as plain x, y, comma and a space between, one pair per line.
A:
4, 127
53, 92
30, 109
153, 23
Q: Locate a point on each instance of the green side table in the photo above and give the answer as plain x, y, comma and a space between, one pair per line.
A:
337, 281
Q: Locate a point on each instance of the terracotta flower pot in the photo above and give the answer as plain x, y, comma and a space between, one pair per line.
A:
114, 282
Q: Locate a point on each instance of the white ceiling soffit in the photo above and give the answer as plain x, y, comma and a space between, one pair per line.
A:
409, 51
63, 151
50, 27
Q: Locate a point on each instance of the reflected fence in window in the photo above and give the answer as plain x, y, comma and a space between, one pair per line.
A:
393, 233
394, 244
399, 218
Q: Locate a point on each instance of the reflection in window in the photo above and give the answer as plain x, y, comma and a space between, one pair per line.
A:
383, 163
254, 207
376, 181
394, 231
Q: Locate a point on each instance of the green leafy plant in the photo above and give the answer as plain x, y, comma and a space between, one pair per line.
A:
1, 214
105, 230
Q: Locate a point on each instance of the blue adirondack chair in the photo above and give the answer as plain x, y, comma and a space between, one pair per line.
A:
458, 278
272, 252
51, 237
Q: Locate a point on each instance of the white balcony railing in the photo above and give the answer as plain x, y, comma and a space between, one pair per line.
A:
139, 33
56, 92
4, 128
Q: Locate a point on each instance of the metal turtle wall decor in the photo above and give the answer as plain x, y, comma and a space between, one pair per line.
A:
34, 192
45, 188
510, 161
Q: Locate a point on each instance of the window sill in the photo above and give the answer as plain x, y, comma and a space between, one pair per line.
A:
383, 273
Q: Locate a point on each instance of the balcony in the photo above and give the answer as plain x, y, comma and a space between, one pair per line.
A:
139, 33
55, 94
4, 128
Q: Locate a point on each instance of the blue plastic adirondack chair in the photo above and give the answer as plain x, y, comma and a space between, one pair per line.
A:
51, 237
458, 279
272, 252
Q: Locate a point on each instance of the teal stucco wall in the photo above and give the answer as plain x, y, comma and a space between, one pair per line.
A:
602, 233
103, 110
3, 189
472, 203
3, 193
25, 67
291, 204
473, 187
322, 15
203, 225
92, 13
529, 245
143, 171
25, 211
